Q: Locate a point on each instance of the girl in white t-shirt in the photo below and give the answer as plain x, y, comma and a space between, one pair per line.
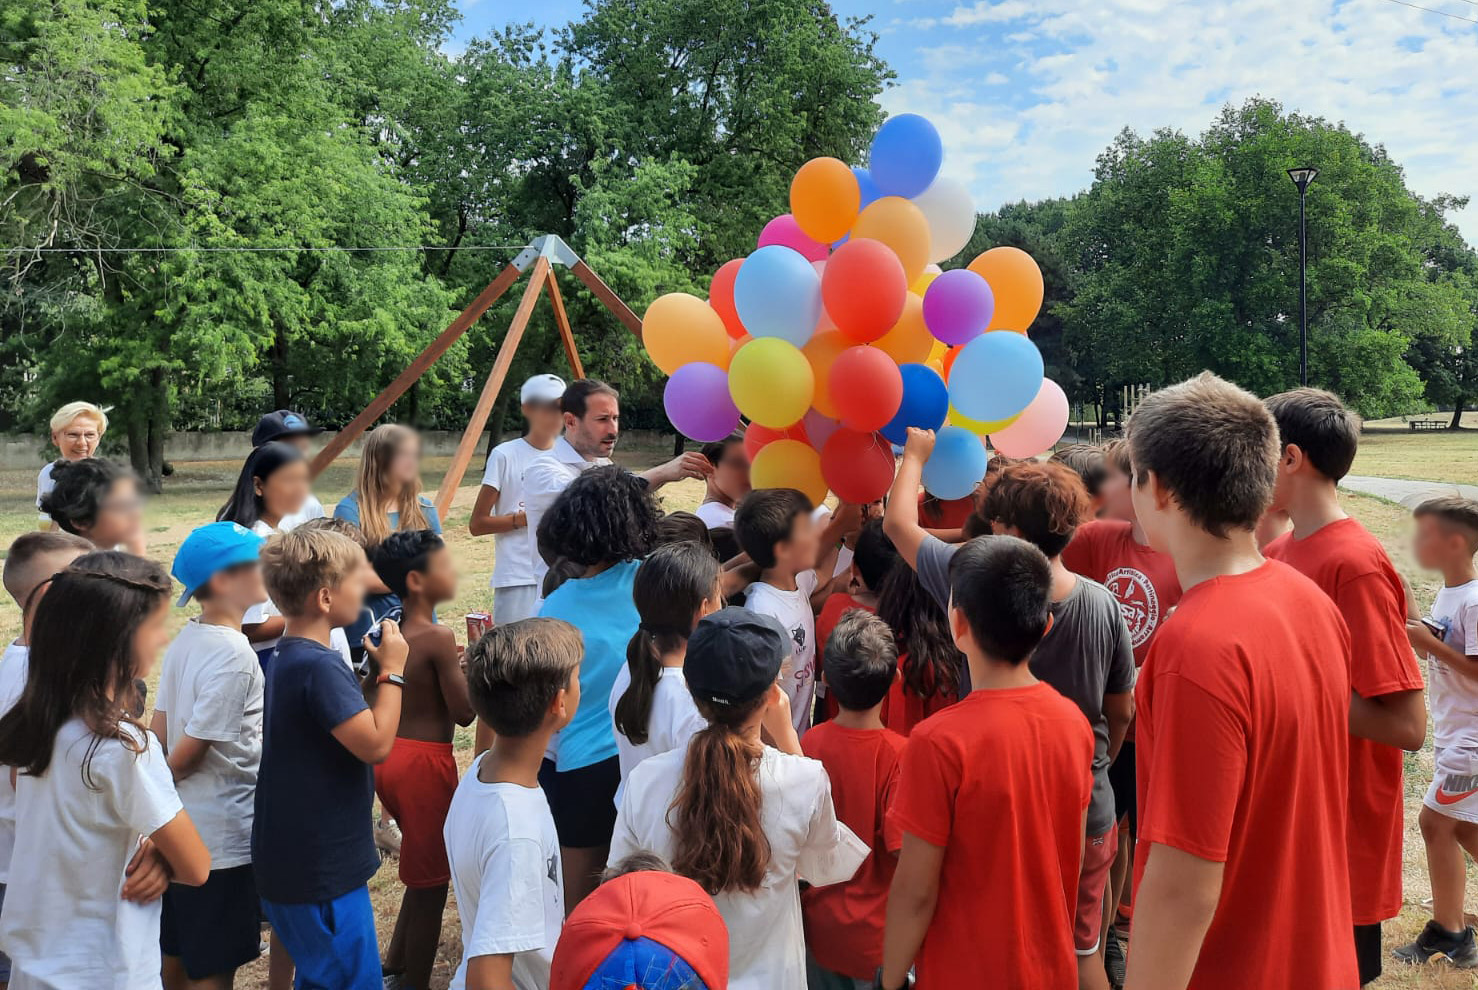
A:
745, 820
91, 782
729, 482
650, 705
274, 484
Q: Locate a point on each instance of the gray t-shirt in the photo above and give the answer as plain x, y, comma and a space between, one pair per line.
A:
1085, 655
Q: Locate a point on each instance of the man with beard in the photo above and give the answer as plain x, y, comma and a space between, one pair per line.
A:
592, 418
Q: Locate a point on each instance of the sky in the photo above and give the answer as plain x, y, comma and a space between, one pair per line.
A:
1026, 93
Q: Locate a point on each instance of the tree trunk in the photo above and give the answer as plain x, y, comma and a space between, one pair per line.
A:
147, 424
281, 393
1457, 413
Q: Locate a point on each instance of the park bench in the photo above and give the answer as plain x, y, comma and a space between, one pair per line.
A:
1417, 425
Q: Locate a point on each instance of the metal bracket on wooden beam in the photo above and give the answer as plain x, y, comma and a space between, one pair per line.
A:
551, 247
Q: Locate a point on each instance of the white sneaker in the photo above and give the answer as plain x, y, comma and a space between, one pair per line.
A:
387, 836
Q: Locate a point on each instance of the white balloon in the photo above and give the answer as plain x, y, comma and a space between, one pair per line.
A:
947, 205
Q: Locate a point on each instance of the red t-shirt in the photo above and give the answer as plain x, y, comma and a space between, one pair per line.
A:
1243, 758
1001, 781
1142, 579
831, 613
1352, 568
902, 709
844, 922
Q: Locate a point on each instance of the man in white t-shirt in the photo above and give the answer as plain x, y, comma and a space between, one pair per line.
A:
500, 507
290, 427
592, 419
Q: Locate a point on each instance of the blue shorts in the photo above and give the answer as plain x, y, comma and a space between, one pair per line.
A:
332, 943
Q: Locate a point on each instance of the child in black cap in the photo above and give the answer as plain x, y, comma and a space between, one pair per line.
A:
742, 818
289, 427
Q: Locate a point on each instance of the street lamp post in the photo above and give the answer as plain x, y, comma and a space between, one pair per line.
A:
1302, 177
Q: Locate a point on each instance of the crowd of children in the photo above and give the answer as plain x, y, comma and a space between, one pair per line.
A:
938, 745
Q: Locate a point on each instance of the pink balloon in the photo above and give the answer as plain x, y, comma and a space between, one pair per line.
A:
1040, 425
785, 231
819, 428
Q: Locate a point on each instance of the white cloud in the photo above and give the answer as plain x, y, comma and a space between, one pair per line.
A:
1081, 72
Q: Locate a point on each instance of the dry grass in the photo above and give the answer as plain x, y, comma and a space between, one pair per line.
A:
197, 490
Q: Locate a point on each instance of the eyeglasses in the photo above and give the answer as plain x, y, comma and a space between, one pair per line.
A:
91, 436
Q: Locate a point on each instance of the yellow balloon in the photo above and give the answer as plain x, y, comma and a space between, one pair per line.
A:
771, 382
899, 224
822, 351
979, 427
931, 272
909, 342
679, 329
937, 365
789, 464
824, 198
938, 350
1016, 282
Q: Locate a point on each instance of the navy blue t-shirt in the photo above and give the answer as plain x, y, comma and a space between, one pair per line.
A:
311, 839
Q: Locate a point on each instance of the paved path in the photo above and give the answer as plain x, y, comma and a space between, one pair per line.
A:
1408, 493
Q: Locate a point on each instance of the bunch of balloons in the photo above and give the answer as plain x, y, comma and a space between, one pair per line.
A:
840, 331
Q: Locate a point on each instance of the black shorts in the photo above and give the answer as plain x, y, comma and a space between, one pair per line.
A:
1368, 952
583, 802
213, 928
1122, 779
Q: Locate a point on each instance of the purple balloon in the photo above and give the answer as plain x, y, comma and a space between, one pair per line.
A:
819, 428
958, 306
785, 231
698, 404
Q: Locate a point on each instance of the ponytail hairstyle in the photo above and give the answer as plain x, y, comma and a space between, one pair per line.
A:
379, 494
82, 663
715, 816
670, 587
245, 506
931, 661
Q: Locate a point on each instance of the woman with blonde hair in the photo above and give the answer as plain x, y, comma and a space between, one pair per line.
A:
77, 430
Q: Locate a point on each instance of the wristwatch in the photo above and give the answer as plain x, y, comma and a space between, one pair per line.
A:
395, 679
877, 982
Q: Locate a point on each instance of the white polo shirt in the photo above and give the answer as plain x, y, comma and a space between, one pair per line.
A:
543, 480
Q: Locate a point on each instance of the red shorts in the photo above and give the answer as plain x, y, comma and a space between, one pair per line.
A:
1098, 858
416, 784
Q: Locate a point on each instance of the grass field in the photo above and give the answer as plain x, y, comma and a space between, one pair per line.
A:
197, 489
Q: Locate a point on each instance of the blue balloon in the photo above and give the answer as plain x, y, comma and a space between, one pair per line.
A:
778, 294
957, 464
995, 376
906, 155
866, 186
925, 402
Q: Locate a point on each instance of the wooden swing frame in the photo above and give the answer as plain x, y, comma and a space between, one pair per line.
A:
539, 261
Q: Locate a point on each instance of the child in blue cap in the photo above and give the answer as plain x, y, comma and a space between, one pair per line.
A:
209, 717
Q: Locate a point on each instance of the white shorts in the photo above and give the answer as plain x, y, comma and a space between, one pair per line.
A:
1454, 788
515, 602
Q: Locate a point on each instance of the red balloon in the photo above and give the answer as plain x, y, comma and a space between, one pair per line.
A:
866, 388
864, 289
948, 361
721, 297
857, 466
757, 436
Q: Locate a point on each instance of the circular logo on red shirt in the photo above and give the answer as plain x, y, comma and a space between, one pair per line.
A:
1138, 603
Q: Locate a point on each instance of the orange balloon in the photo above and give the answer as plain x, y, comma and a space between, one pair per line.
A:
824, 199
679, 329
789, 464
909, 342
948, 361
899, 224
822, 352
1017, 283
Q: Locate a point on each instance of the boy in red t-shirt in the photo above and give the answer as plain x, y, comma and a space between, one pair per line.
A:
1243, 731
844, 922
1114, 551
1319, 437
992, 799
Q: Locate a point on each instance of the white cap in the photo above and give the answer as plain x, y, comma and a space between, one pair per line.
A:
542, 388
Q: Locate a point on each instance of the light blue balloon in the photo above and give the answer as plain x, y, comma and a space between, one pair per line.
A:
906, 155
996, 376
957, 464
778, 294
